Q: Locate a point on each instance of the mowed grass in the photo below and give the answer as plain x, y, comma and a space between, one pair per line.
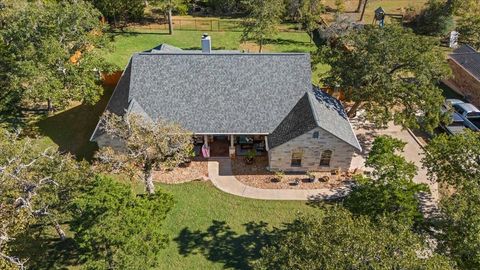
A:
138, 40
199, 220
207, 228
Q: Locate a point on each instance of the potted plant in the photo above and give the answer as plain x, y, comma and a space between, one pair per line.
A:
190, 157
311, 176
251, 154
279, 175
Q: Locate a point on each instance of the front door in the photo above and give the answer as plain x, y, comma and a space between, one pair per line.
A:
219, 146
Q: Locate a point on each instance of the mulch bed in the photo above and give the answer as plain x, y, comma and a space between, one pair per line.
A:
196, 170
256, 175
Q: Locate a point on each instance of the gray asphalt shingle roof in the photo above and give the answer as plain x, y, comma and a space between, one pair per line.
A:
220, 93
299, 121
468, 58
331, 116
229, 93
315, 109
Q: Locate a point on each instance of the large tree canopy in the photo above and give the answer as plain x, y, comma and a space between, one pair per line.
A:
391, 191
119, 12
36, 185
435, 19
145, 144
390, 72
459, 232
454, 160
310, 12
334, 239
117, 229
52, 52
263, 20
469, 28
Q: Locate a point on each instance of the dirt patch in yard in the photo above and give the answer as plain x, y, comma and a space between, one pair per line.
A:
195, 170
257, 175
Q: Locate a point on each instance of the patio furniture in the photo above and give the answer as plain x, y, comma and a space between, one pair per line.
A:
260, 146
245, 142
197, 140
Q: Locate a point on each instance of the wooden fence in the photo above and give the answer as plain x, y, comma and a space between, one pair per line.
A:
211, 25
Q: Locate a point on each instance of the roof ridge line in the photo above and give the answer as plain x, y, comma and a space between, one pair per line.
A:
186, 52
312, 95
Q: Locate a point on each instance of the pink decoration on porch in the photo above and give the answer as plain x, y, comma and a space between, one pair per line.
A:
205, 151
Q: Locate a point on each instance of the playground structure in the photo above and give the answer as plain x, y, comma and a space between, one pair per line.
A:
380, 17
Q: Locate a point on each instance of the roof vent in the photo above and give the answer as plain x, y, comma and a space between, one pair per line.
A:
206, 43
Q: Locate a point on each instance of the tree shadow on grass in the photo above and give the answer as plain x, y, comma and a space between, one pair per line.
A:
283, 41
45, 250
219, 243
71, 129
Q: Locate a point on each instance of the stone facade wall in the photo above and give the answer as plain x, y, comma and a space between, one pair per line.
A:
466, 83
280, 157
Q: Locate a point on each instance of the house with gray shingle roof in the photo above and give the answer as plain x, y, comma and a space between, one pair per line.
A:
235, 103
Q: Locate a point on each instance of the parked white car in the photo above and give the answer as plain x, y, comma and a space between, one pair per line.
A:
467, 111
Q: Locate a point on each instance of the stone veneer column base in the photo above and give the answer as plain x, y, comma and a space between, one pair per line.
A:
231, 151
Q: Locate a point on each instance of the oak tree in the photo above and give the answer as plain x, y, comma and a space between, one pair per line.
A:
120, 12
263, 19
118, 229
145, 144
454, 160
310, 12
469, 28
335, 239
54, 53
36, 186
390, 191
168, 6
459, 230
389, 72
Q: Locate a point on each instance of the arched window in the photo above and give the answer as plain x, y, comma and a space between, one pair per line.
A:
326, 158
296, 159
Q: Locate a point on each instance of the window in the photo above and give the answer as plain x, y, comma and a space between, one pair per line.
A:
458, 109
326, 158
315, 135
297, 159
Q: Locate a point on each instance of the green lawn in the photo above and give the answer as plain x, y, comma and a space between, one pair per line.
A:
70, 129
127, 43
208, 229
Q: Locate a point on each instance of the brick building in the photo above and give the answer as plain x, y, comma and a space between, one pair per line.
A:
465, 64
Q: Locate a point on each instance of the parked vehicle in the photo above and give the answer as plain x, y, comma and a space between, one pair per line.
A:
457, 125
468, 112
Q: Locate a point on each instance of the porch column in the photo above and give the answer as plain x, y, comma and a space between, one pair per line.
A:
231, 149
205, 140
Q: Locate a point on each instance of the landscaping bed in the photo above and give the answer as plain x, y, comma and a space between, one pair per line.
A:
195, 170
257, 175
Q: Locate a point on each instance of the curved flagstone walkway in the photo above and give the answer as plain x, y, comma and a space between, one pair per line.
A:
220, 173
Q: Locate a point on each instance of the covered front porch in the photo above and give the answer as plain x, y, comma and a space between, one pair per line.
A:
230, 145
